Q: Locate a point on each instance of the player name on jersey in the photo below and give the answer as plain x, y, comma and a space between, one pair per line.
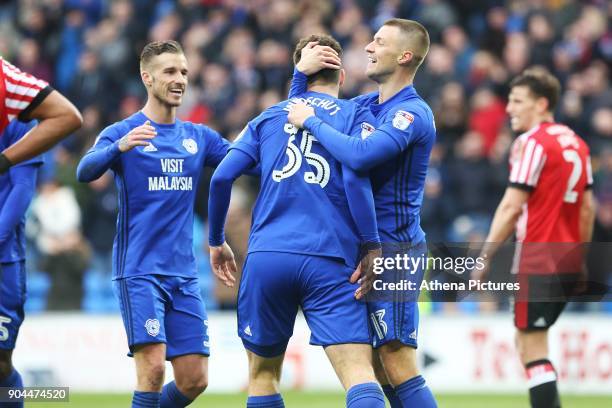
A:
323, 103
171, 183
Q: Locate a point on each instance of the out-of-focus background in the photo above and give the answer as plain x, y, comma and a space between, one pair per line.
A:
239, 55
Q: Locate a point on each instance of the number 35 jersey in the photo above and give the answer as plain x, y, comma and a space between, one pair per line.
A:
302, 206
553, 163
157, 186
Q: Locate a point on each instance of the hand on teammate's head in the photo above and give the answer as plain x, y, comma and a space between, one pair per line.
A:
317, 57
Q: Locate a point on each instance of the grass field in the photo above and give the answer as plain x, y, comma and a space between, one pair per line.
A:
331, 400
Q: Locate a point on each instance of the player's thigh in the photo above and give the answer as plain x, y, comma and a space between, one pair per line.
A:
142, 301
12, 300
328, 302
186, 320
352, 363
268, 367
268, 301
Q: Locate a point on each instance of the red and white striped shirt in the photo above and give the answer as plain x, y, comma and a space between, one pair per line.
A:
20, 92
553, 163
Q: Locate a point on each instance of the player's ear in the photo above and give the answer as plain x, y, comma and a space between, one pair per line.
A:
542, 105
146, 78
405, 57
342, 77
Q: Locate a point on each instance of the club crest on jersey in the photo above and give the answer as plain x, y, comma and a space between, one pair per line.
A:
366, 130
152, 326
190, 145
402, 120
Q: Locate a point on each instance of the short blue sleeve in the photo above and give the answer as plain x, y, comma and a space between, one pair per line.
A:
248, 141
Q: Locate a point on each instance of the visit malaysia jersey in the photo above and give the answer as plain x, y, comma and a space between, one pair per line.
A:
398, 183
12, 242
553, 163
302, 206
157, 186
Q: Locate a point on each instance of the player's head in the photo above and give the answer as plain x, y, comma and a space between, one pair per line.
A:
163, 69
327, 75
533, 97
398, 44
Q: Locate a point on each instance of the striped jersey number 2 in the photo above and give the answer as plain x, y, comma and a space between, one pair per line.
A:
573, 157
294, 162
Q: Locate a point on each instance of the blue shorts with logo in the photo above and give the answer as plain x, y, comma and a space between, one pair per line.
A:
394, 316
164, 309
275, 285
12, 300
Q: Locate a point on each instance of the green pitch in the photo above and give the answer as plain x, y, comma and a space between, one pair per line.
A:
330, 400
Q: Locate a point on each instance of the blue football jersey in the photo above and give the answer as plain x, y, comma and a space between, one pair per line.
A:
157, 187
13, 249
398, 184
302, 205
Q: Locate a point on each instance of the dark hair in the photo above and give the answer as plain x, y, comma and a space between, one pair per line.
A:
328, 75
540, 83
417, 36
155, 48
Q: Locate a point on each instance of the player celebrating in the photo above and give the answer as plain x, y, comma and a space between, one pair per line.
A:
548, 200
157, 161
17, 188
309, 220
25, 97
397, 155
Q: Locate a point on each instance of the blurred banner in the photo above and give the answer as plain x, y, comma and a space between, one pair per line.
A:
458, 354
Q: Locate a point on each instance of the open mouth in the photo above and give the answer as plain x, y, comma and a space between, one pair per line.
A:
177, 91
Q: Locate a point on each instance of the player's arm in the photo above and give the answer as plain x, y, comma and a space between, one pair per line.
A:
217, 150
313, 59
107, 150
587, 216
23, 180
221, 257
357, 153
57, 119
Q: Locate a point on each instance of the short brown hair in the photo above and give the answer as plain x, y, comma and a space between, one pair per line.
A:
540, 83
417, 36
156, 48
327, 75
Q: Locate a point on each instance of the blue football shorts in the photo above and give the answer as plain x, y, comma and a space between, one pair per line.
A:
275, 285
12, 299
164, 309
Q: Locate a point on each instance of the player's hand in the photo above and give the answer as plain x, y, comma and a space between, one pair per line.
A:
481, 274
223, 264
139, 136
298, 113
582, 283
366, 272
316, 57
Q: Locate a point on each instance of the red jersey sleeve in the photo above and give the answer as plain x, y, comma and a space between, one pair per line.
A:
526, 162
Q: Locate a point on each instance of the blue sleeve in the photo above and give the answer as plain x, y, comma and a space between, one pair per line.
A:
216, 147
230, 168
248, 141
23, 180
101, 157
387, 141
299, 83
361, 204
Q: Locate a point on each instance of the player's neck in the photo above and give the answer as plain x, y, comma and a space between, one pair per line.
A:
158, 112
548, 117
332, 90
393, 84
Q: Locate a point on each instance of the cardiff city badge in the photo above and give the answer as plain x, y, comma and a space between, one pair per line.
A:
190, 145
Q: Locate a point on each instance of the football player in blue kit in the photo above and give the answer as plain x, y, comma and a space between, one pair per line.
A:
397, 156
157, 160
17, 187
311, 220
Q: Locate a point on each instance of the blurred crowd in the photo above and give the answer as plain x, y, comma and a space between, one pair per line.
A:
239, 55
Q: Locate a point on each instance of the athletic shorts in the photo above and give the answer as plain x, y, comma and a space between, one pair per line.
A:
164, 309
12, 300
275, 285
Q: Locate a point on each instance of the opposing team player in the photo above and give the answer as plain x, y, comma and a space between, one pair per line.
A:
25, 97
17, 188
549, 204
397, 155
311, 218
157, 160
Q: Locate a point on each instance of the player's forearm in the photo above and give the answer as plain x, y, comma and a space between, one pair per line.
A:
17, 201
502, 227
96, 162
57, 119
587, 216
361, 205
298, 83
235, 163
354, 152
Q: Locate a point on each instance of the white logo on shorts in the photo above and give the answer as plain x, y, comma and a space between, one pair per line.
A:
247, 331
152, 326
190, 145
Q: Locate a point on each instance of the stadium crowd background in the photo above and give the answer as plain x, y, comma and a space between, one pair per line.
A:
239, 55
